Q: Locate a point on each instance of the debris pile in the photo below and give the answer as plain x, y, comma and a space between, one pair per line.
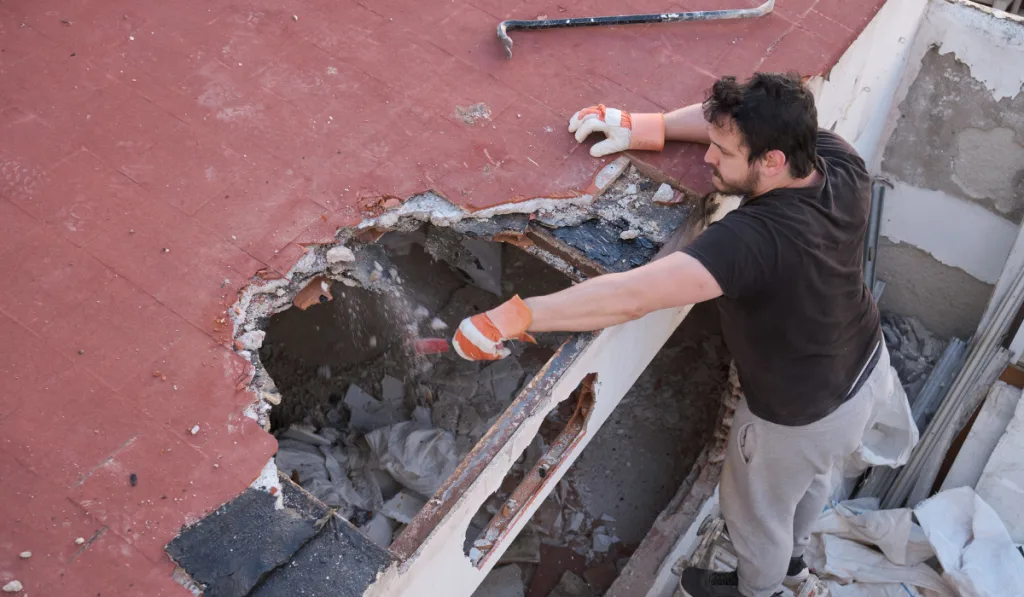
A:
913, 350
377, 460
368, 424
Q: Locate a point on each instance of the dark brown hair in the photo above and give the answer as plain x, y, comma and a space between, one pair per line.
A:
772, 111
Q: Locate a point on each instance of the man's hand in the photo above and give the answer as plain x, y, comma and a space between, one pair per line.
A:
622, 130
481, 337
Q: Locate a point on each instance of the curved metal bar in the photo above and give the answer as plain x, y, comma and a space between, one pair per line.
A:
669, 17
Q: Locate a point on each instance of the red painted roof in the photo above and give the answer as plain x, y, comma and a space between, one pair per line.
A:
153, 158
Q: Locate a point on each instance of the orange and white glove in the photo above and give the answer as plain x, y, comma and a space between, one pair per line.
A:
482, 336
622, 130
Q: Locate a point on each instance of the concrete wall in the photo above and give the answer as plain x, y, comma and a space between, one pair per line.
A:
954, 153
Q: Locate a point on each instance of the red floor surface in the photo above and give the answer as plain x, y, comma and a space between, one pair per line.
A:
154, 156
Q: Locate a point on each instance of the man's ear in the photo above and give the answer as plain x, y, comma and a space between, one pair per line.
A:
774, 162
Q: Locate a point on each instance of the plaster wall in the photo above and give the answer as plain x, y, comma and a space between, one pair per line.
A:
954, 155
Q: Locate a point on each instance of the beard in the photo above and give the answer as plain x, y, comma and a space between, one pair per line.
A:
745, 187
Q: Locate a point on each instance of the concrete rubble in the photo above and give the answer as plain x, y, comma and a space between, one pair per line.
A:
913, 349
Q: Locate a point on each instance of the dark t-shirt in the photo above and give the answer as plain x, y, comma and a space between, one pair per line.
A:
796, 314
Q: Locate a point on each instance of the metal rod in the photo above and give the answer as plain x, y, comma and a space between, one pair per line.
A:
670, 17
874, 224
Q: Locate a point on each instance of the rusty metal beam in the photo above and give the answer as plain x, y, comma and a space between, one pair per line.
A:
530, 487
524, 406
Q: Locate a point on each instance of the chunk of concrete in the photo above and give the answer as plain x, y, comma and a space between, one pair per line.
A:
506, 581
603, 541
251, 340
483, 266
366, 412
392, 390
379, 530
13, 587
334, 470
664, 195
305, 434
340, 255
403, 507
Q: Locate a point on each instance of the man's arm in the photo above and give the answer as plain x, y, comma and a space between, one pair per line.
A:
687, 124
675, 281
604, 301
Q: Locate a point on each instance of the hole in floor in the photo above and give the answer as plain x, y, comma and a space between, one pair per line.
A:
608, 500
367, 423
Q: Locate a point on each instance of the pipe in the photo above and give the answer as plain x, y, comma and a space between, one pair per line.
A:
874, 225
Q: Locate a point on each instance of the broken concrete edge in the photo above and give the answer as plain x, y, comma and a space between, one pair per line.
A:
554, 210
307, 282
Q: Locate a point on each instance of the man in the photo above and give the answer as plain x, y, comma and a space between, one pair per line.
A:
786, 268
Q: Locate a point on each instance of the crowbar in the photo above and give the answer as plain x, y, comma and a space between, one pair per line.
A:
669, 17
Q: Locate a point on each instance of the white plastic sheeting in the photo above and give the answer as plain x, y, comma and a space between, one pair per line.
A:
842, 552
416, 455
972, 544
860, 551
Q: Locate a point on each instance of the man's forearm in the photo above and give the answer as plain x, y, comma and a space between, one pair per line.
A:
611, 299
687, 124
598, 303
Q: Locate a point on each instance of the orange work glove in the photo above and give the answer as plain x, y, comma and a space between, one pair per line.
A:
622, 130
481, 337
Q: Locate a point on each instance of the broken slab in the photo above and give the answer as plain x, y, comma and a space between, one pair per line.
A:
403, 507
305, 434
989, 427
1002, 483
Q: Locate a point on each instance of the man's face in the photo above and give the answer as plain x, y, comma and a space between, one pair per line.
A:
727, 155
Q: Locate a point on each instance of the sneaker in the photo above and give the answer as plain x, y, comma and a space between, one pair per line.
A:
798, 571
697, 582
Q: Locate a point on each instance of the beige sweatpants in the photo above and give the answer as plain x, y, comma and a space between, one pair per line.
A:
776, 480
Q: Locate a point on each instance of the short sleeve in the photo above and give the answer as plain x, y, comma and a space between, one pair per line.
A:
739, 251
